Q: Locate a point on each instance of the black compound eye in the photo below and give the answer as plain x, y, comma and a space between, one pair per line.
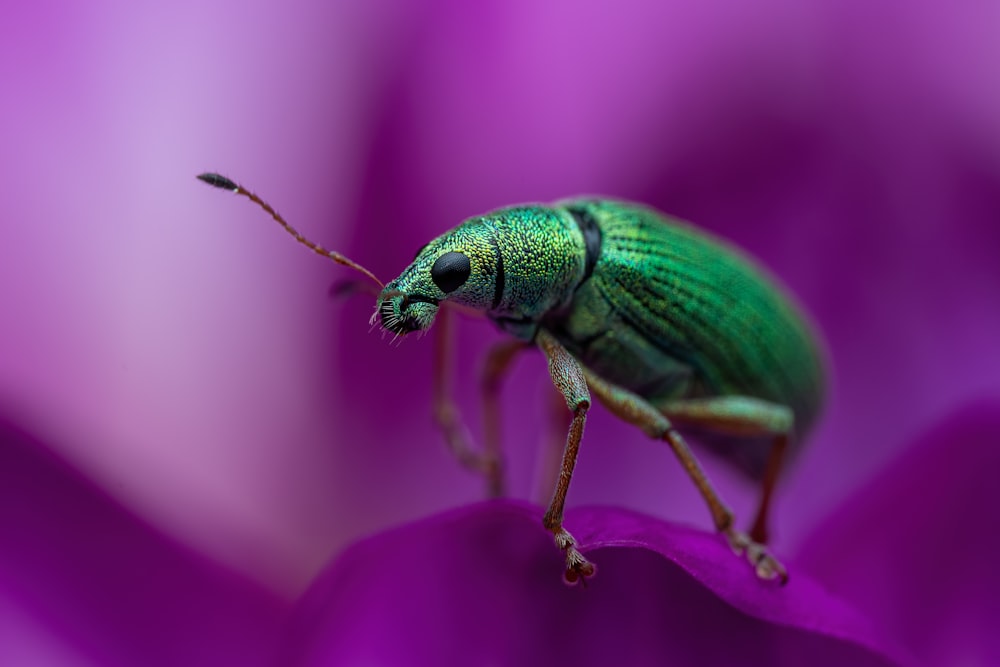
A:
450, 271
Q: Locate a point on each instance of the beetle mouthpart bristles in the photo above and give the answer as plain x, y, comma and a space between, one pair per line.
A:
388, 317
218, 181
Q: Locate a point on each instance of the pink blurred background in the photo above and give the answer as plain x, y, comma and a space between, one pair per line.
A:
177, 349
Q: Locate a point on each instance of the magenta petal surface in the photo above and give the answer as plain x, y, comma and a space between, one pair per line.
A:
84, 582
918, 546
481, 586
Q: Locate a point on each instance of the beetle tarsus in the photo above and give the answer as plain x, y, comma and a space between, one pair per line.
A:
763, 561
578, 568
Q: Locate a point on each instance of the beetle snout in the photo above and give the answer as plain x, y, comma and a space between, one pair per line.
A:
403, 313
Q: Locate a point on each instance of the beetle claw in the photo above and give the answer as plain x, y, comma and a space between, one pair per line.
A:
578, 568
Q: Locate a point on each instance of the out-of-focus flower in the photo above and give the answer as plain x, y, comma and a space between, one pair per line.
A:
916, 547
183, 358
85, 582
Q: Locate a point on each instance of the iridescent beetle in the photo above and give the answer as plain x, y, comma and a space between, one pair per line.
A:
671, 328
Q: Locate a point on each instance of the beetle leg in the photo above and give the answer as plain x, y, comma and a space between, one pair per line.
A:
758, 530
568, 377
498, 363
456, 435
550, 454
637, 410
747, 417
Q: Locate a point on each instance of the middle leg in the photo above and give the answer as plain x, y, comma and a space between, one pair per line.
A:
498, 362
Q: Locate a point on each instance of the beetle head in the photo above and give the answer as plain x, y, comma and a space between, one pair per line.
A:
458, 266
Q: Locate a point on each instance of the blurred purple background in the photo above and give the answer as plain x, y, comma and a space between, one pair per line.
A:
173, 347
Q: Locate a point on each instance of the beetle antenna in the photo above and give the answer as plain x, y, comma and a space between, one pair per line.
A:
224, 183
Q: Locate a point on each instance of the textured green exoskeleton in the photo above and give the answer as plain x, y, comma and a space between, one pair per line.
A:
669, 327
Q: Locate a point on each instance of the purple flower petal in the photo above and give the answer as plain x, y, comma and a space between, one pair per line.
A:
82, 581
917, 548
481, 585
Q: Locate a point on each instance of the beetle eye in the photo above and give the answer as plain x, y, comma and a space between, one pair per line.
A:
450, 271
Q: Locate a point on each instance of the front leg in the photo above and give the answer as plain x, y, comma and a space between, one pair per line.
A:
456, 435
568, 377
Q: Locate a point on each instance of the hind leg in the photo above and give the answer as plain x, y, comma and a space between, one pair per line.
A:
747, 417
637, 410
758, 530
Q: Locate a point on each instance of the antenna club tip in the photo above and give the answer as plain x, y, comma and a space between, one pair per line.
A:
218, 181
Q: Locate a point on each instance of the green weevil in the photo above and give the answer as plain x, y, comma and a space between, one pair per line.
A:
672, 329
